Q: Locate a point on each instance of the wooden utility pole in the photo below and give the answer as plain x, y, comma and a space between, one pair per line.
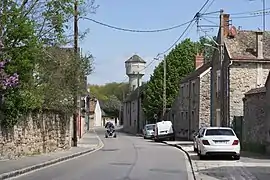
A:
264, 15
138, 103
164, 86
222, 78
75, 98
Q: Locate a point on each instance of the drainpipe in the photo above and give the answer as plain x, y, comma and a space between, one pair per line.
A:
211, 97
228, 93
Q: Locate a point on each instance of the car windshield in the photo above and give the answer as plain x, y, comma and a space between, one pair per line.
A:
150, 127
219, 132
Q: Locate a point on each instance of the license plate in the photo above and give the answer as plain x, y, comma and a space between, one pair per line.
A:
221, 142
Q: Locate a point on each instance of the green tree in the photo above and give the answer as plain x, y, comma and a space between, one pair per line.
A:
112, 105
180, 62
27, 27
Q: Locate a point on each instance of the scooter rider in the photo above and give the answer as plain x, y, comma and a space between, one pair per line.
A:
109, 125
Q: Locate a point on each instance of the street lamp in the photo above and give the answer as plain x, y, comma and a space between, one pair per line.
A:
209, 45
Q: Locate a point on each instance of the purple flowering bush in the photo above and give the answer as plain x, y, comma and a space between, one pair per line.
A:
6, 80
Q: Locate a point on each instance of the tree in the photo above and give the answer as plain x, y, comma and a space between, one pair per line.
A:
112, 105
180, 62
27, 28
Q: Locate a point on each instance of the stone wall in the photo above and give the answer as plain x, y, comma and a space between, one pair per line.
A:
243, 77
205, 100
253, 130
38, 133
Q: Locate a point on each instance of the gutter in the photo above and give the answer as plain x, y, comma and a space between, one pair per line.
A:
228, 93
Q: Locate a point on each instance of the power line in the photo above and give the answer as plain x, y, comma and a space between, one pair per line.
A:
252, 14
135, 30
197, 15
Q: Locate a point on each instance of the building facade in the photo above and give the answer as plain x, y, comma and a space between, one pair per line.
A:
245, 66
191, 108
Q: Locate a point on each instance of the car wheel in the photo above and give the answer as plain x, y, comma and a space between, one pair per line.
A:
106, 136
202, 157
236, 157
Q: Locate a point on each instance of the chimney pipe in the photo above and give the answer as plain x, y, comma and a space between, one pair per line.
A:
226, 24
199, 60
259, 44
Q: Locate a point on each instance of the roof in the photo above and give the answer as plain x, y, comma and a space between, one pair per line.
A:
196, 73
134, 94
135, 58
243, 45
256, 91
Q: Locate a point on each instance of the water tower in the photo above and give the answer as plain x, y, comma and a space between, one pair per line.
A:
135, 69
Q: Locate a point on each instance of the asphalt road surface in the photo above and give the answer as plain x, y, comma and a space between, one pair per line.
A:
123, 158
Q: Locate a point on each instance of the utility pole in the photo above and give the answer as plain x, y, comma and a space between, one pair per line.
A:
264, 15
164, 87
138, 103
75, 98
221, 57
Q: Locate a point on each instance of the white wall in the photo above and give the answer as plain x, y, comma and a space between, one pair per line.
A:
98, 115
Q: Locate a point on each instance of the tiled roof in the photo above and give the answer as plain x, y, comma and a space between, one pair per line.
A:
243, 45
135, 58
256, 91
196, 73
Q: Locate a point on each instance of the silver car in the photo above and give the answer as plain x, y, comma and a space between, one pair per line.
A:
148, 131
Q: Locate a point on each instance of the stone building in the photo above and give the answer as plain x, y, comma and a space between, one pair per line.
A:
255, 125
191, 109
245, 66
133, 115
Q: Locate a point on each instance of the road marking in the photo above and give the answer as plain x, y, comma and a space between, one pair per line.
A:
99, 146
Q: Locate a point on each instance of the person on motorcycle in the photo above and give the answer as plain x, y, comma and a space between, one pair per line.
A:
109, 125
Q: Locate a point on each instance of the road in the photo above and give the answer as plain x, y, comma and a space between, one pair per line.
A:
123, 158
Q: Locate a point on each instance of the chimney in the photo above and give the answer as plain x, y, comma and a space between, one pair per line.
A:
259, 44
226, 24
199, 59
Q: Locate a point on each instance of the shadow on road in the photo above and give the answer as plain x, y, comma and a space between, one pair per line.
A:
238, 172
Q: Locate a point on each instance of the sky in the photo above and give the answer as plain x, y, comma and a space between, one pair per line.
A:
111, 48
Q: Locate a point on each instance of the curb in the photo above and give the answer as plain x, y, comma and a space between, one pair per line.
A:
22, 171
187, 155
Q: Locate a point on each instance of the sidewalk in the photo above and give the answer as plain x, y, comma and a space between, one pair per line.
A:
249, 167
12, 168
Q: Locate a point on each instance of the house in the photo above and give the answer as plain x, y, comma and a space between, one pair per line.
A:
95, 113
255, 129
191, 108
245, 66
253, 132
133, 115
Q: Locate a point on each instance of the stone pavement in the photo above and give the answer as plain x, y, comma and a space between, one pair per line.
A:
250, 167
10, 168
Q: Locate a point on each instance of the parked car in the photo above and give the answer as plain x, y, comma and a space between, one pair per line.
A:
164, 131
148, 131
218, 141
195, 144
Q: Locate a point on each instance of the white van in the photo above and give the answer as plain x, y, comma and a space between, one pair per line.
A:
164, 131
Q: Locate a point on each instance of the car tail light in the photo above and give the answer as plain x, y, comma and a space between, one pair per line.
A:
205, 142
235, 142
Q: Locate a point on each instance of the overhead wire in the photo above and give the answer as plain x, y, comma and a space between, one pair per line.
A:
186, 29
135, 30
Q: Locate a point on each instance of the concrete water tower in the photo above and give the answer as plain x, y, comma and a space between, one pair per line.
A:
135, 69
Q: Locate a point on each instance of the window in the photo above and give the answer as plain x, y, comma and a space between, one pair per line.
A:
218, 81
218, 117
219, 132
193, 93
133, 106
182, 116
133, 87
